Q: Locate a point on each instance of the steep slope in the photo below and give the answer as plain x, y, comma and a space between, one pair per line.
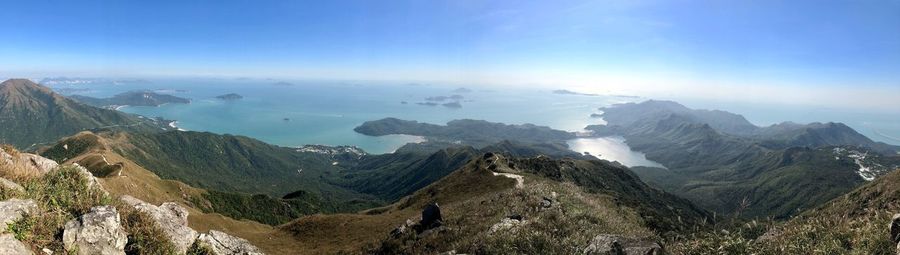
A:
227, 164
855, 223
557, 206
757, 173
33, 114
392, 176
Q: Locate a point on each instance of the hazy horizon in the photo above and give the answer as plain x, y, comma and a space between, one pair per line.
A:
834, 54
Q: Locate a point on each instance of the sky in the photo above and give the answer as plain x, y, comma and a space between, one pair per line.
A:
806, 50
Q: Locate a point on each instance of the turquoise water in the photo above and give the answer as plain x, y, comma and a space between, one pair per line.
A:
327, 112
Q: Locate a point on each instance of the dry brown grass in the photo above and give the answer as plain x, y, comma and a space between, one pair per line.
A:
19, 171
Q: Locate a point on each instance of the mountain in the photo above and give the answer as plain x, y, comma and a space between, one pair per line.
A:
743, 171
631, 116
858, 222
816, 135
496, 204
132, 98
32, 114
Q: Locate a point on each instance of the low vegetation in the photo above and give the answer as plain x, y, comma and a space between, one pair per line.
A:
63, 195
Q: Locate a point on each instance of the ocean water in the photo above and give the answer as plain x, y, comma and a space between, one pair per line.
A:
612, 148
325, 112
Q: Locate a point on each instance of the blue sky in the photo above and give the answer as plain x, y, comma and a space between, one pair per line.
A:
584, 44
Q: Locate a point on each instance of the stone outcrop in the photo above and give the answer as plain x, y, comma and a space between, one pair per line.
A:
506, 223
13, 209
91, 180
619, 245
5, 158
171, 218
10, 185
41, 164
9, 245
224, 244
97, 232
31, 162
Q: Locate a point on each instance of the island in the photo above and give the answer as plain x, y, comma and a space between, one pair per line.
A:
462, 90
454, 105
478, 133
569, 92
230, 96
131, 98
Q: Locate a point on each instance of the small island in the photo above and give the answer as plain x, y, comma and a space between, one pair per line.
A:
230, 96
454, 105
569, 92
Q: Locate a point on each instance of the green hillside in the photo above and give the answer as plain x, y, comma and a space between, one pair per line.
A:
33, 114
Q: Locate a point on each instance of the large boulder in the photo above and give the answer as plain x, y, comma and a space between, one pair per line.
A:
40, 164
431, 217
9, 245
618, 245
171, 218
97, 232
13, 210
224, 244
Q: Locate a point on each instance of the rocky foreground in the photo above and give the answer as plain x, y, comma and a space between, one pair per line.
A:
101, 228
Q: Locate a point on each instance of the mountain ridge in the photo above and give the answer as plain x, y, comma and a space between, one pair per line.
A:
33, 114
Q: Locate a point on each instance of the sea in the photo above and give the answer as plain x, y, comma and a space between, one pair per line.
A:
296, 113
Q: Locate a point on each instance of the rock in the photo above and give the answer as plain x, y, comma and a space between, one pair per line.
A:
91, 180
614, 244
402, 229
895, 228
10, 185
5, 158
97, 232
771, 234
171, 218
546, 202
505, 223
13, 209
431, 217
41, 164
604, 245
9, 245
224, 244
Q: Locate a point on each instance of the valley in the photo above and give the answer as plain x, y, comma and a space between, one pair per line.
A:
493, 182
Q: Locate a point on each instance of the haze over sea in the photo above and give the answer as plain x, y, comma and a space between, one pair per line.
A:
325, 112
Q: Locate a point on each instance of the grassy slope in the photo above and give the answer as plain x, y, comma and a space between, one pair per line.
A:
92, 151
143, 184
472, 199
237, 164
855, 223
